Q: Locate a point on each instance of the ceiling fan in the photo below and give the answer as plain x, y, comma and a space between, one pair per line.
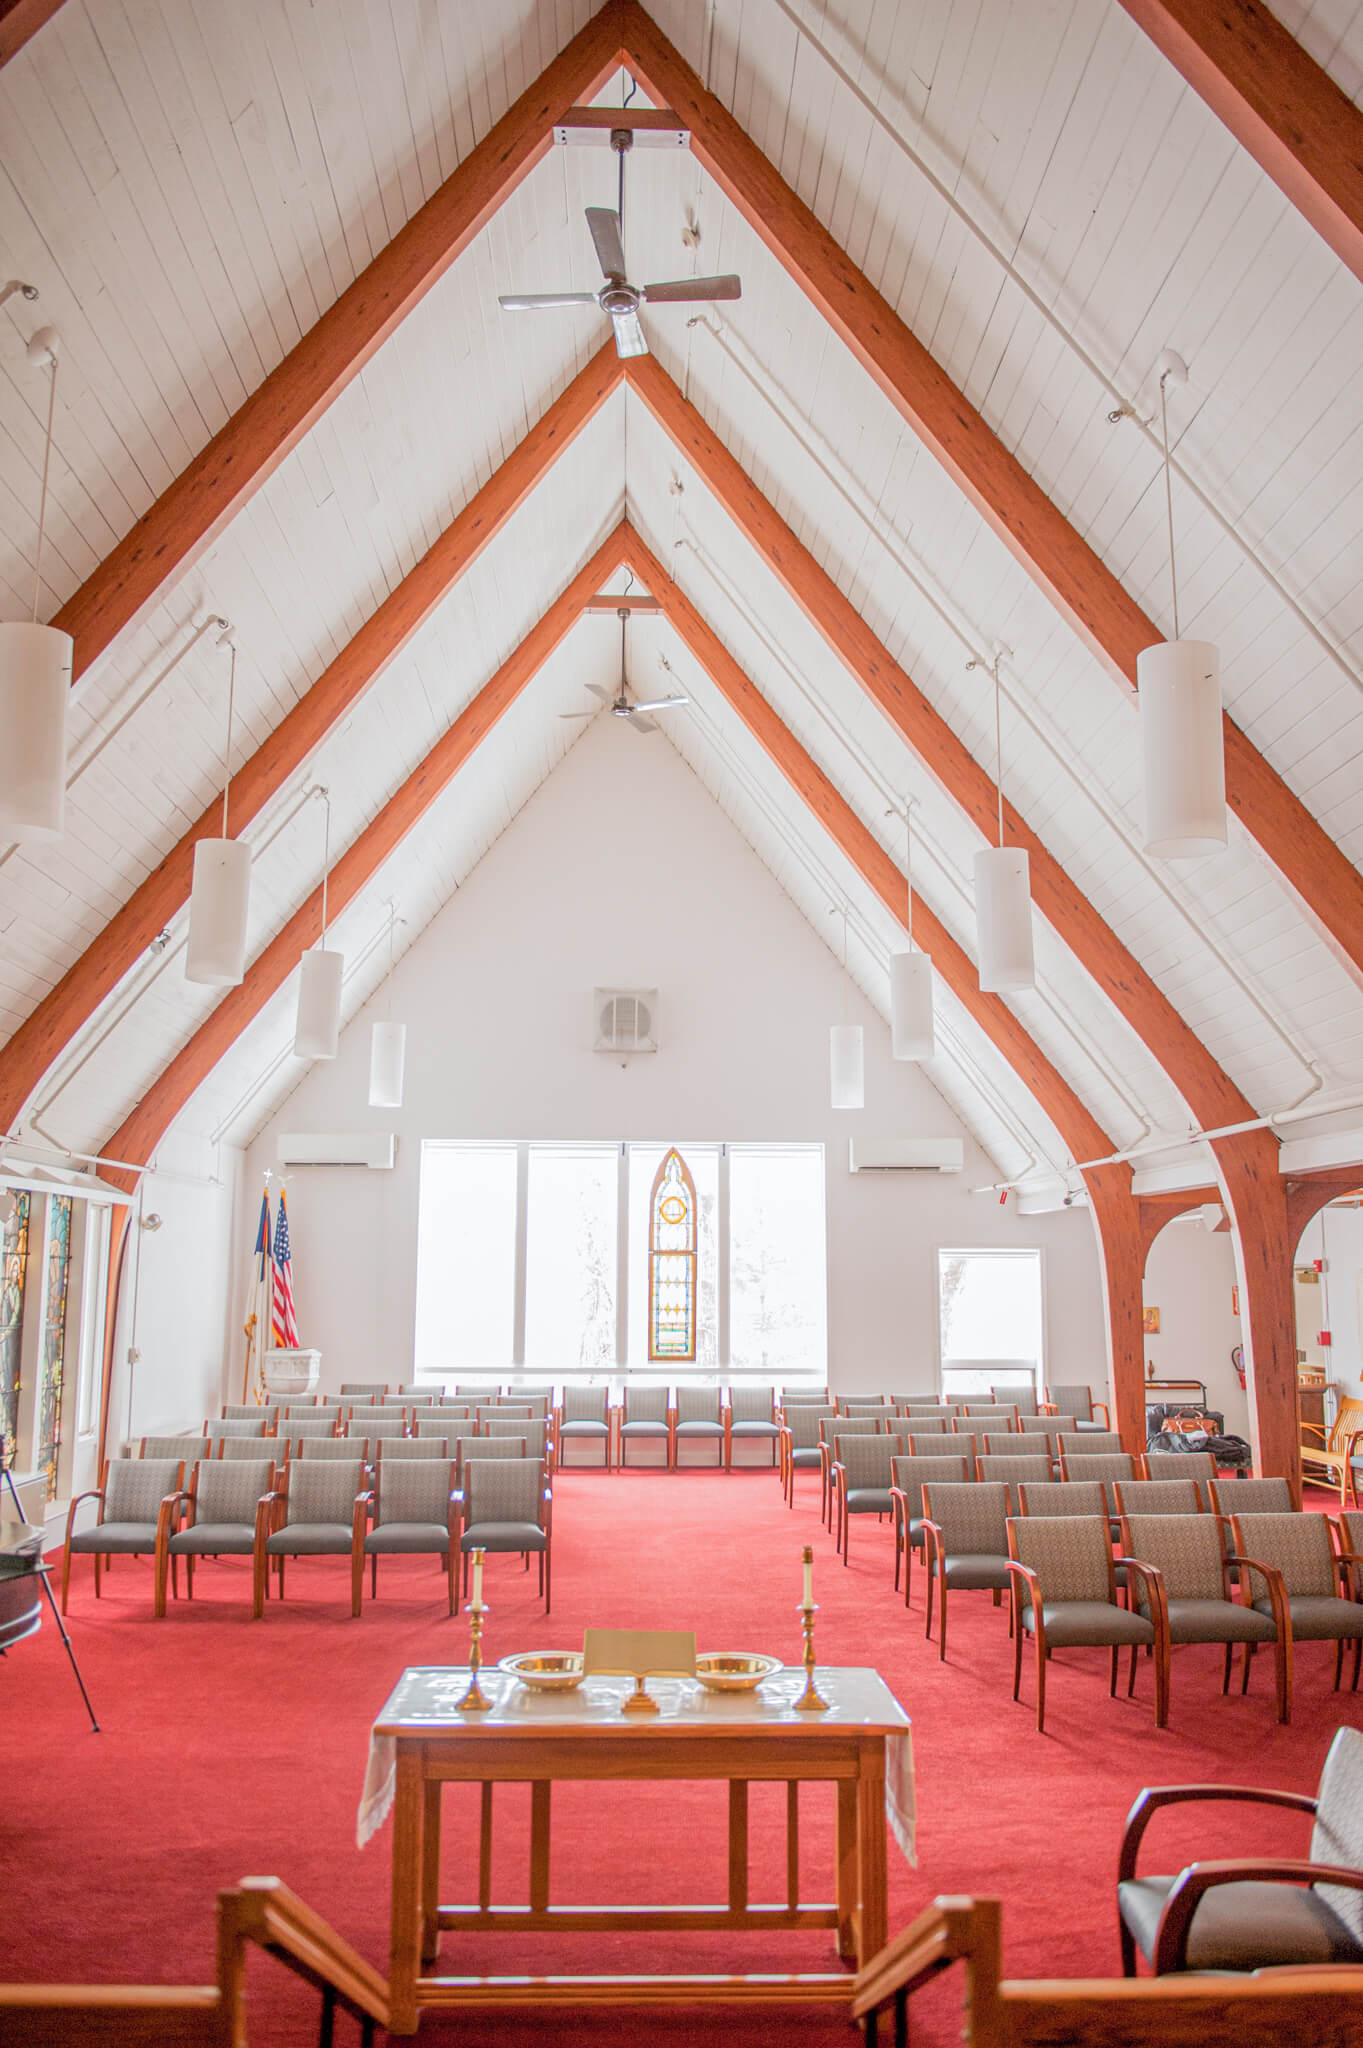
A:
617, 296
622, 705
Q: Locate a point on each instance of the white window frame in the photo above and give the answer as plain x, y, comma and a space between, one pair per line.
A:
1019, 1371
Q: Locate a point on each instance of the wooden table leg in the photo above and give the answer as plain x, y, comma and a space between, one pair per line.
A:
848, 1872
873, 1930
738, 1845
404, 1961
539, 1845
430, 1870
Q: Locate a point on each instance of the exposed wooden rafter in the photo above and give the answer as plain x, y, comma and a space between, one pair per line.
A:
20, 19
1057, 558
43, 1035
1277, 103
174, 532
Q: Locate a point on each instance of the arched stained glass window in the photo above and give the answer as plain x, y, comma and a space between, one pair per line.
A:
672, 1263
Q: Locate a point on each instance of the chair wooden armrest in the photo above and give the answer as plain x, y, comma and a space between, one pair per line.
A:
91, 1493
1272, 1578
1171, 1939
1107, 1412
933, 1546
1154, 1797
1018, 1574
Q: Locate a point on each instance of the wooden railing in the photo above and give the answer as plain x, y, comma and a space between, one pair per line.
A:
259, 1911
1262, 2009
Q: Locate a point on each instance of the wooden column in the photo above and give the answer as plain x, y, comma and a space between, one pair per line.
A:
1121, 1247
1255, 1195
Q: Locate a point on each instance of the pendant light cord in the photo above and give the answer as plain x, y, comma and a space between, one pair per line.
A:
1168, 493
908, 860
42, 500
227, 749
326, 861
998, 745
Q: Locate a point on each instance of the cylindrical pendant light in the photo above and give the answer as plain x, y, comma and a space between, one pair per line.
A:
35, 681
387, 1043
846, 1052
317, 1032
220, 898
911, 1026
1182, 738
1003, 895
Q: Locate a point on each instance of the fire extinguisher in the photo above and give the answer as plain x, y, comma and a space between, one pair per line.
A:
1237, 1359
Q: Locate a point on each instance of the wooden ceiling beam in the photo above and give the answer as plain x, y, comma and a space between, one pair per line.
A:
1057, 558
1276, 101
1076, 1124
138, 1135
174, 532
20, 19
615, 605
45, 1033
1209, 1092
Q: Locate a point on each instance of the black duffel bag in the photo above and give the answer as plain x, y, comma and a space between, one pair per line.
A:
1229, 1451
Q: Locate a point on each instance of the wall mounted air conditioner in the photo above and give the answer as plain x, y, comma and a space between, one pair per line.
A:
905, 1155
625, 1019
337, 1148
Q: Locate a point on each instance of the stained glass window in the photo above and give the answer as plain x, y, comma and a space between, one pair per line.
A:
672, 1263
53, 1338
15, 1255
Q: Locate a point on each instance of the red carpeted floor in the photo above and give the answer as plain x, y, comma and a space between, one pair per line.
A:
232, 1747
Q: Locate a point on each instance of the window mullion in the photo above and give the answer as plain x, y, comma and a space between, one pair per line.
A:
522, 1216
622, 1257
722, 1260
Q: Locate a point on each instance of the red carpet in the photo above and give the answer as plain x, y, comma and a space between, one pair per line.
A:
232, 1747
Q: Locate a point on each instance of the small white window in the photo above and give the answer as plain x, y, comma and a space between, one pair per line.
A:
990, 1317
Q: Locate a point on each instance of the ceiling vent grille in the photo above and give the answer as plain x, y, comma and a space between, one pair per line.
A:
625, 1019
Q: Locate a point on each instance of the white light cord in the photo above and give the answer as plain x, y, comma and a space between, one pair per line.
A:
998, 745
326, 861
227, 747
42, 499
1168, 492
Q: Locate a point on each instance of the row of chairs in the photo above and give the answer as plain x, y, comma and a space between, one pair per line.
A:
812, 1444
255, 1503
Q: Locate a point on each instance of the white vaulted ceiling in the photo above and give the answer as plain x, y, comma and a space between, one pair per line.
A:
1038, 196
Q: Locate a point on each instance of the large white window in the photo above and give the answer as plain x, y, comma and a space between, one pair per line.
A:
989, 1304
537, 1255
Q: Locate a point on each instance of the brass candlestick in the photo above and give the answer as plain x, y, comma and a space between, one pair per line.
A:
475, 1700
811, 1700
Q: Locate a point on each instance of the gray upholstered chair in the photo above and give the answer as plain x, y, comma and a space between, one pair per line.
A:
321, 1422
906, 1495
1091, 1443
644, 1418
416, 1514
507, 1505
1316, 1583
364, 1390
1158, 1497
1013, 1472
535, 1406
532, 1430
355, 1445
1064, 1589
431, 1446
1050, 1428
1199, 1465
863, 1404
697, 1415
992, 1443
924, 1404
750, 1417
798, 1445
1079, 1402
965, 1531
325, 1511
1108, 1466
412, 1392
1060, 1497
1247, 1496
841, 1425
216, 1429
223, 1510
1022, 1398
584, 1417
129, 1504
861, 1479
1195, 1589
469, 1450
248, 1411
918, 1424
368, 1413
986, 1416
375, 1425
488, 1411
233, 1450
189, 1448
1264, 1913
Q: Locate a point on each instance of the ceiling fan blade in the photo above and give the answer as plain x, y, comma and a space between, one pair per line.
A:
579, 714
610, 250
597, 691
638, 723
629, 335
661, 703
683, 290
531, 302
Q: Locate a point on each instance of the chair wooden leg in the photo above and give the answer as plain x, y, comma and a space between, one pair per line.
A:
1131, 1675
1017, 1662
1162, 1662
1039, 1633
373, 1578
98, 1562
942, 1621
1112, 1673
450, 1556
1246, 1661
931, 1565
1225, 1676
260, 1578
1128, 1948
548, 1567
189, 1578
1358, 1660
1282, 1674
1339, 1662
158, 1597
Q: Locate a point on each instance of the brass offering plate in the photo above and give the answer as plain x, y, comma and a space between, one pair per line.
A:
546, 1670
735, 1670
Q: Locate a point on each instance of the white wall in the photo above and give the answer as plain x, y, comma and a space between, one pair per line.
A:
622, 872
1189, 1278
1336, 1301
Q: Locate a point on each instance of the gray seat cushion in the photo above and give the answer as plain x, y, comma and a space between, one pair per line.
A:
124, 1537
700, 1428
975, 1572
868, 1500
1217, 1621
214, 1539
407, 1538
645, 1428
752, 1429
584, 1429
503, 1536
309, 1539
1081, 1623
1320, 1617
1243, 1926
804, 1459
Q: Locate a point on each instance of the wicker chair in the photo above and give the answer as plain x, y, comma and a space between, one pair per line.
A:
1195, 1590
584, 1416
507, 1506
750, 1417
1065, 1596
1314, 1582
1261, 1914
129, 1504
1079, 1402
906, 1494
965, 1532
798, 1445
416, 1514
221, 1513
697, 1416
325, 1513
861, 1479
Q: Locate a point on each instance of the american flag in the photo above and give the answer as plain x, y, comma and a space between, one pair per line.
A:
285, 1322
